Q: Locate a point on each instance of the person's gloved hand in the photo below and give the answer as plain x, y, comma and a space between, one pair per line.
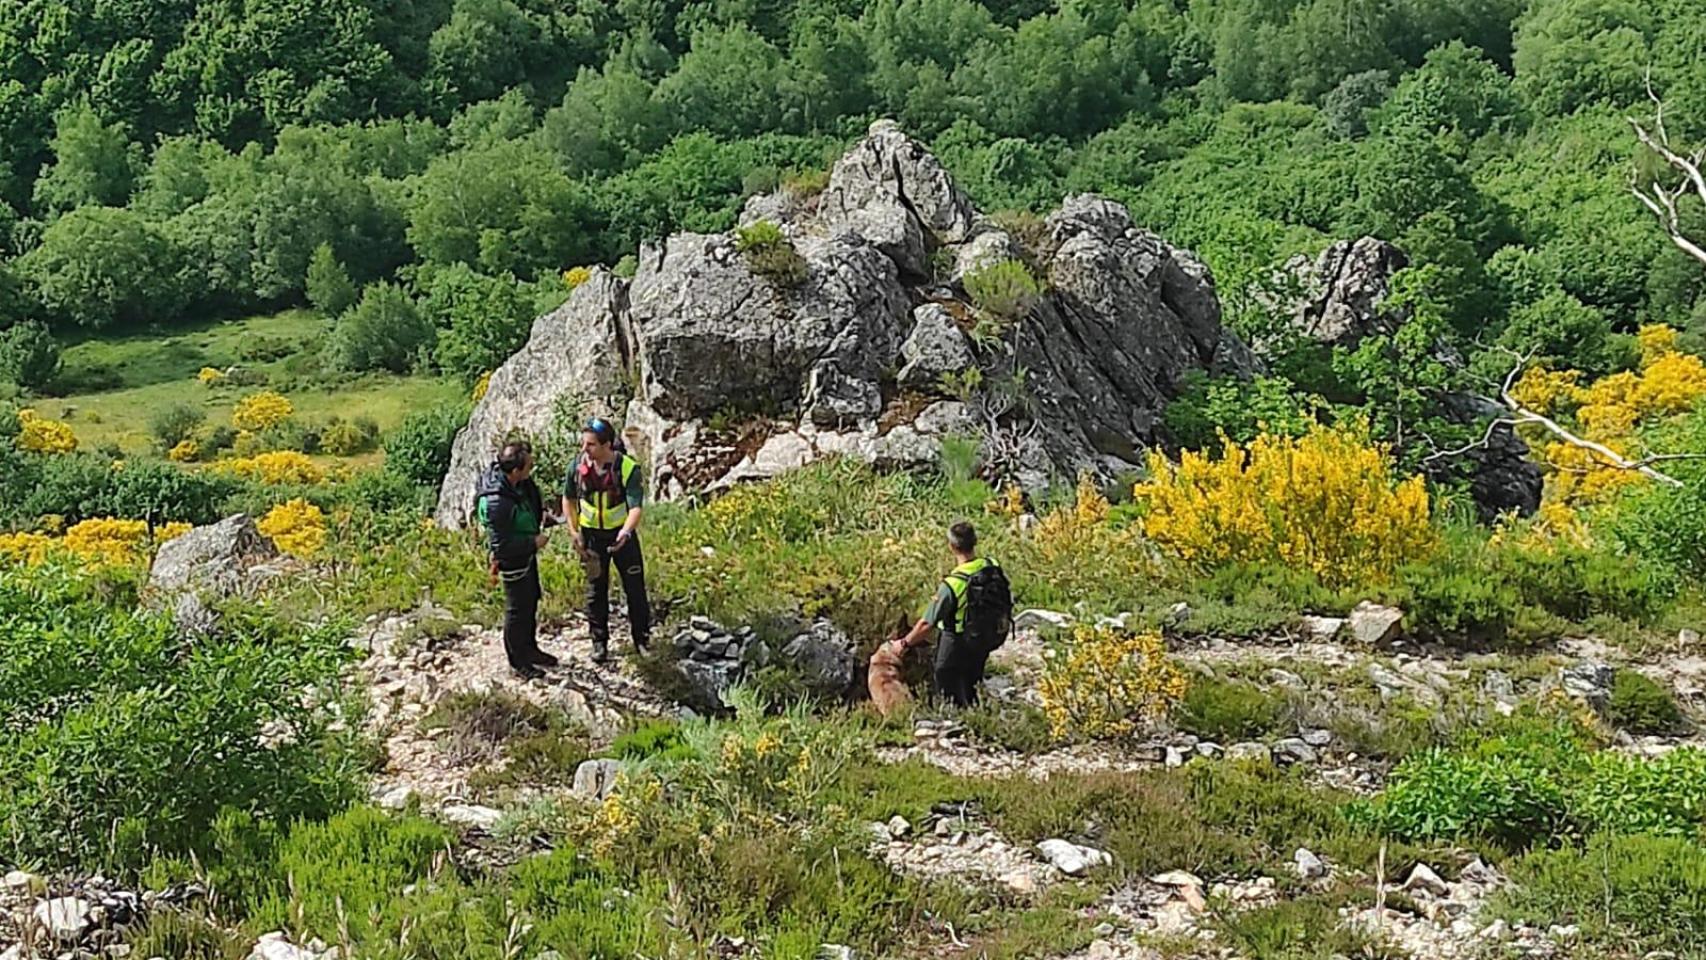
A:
622, 538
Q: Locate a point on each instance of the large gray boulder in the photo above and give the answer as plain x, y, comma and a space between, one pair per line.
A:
207, 564
891, 190
710, 333
825, 659
576, 354
1125, 318
935, 348
1339, 297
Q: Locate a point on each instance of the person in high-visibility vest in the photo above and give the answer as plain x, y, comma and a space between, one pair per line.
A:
972, 610
510, 508
603, 501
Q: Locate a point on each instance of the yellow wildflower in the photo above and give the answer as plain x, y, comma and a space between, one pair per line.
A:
258, 411
37, 434
296, 526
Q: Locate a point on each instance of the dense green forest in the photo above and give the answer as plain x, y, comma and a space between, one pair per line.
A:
405, 163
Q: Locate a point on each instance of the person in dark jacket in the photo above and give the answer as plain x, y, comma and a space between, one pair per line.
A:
603, 502
511, 508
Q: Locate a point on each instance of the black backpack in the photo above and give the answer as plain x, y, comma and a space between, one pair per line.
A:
989, 608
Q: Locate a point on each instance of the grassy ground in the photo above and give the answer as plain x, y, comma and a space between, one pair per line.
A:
109, 389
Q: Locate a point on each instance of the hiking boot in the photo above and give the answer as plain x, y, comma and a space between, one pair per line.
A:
642, 644
600, 651
543, 659
527, 672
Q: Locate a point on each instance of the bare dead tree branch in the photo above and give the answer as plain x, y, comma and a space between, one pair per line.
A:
1662, 199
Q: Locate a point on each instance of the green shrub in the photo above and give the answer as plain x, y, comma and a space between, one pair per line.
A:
1003, 293
83, 485
1576, 583
770, 253
175, 424
346, 438
1015, 726
1619, 793
419, 449
1455, 598
1631, 894
121, 740
1640, 706
382, 332
1229, 710
29, 357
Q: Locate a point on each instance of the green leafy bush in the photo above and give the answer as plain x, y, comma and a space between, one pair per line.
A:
1510, 789
1628, 893
1229, 710
1639, 705
770, 253
1619, 793
29, 357
346, 438
419, 449
652, 738
175, 424
1003, 292
383, 332
83, 485
121, 740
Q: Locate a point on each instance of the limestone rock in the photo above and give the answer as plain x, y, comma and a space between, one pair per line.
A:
216, 561
899, 827
1422, 878
1037, 619
595, 779
892, 180
1590, 680
65, 919
988, 246
1338, 298
1249, 751
1321, 629
277, 946
578, 351
1372, 623
1294, 750
1308, 865
471, 816
824, 656
935, 347
1072, 859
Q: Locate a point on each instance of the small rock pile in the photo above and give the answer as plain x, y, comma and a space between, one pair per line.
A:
953, 841
78, 920
712, 658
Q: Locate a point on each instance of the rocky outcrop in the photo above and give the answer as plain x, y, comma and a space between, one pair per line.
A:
1338, 298
710, 659
733, 370
209, 563
577, 354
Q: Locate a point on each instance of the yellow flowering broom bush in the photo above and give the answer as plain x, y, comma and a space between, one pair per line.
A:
258, 411
276, 466
1326, 502
98, 541
209, 376
1610, 411
296, 526
37, 434
184, 451
1105, 681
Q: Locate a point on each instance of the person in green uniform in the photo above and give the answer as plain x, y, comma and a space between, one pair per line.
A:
512, 510
972, 611
603, 501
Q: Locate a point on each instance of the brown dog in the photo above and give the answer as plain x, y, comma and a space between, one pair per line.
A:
888, 690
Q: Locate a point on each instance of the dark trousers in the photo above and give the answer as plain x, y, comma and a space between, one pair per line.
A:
521, 614
631, 567
959, 668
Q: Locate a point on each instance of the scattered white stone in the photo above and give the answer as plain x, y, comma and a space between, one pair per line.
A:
23, 881
1308, 865
1687, 638
1175, 757
13, 952
1037, 619
595, 779
1479, 872
64, 918
1322, 628
899, 827
471, 816
1317, 738
1284, 679
1249, 750
835, 951
1294, 750
1022, 882
1209, 749
1177, 878
1563, 931
396, 798
1497, 930
1072, 859
1372, 623
277, 946
1423, 878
